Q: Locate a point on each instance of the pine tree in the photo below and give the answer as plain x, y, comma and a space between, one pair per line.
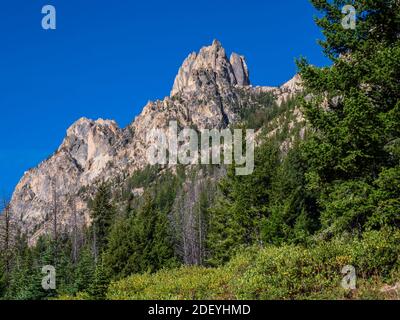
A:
4, 278
84, 271
237, 216
140, 243
65, 269
121, 247
101, 280
153, 248
26, 276
292, 209
353, 108
102, 211
6, 237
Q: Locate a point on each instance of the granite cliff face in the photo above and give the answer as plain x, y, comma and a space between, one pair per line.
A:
205, 94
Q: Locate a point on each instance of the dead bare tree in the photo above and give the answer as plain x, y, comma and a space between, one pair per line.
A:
54, 210
189, 217
95, 251
75, 229
189, 222
6, 234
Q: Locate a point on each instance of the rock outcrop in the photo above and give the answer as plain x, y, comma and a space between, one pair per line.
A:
205, 94
240, 69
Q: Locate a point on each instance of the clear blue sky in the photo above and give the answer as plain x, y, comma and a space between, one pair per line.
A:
108, 58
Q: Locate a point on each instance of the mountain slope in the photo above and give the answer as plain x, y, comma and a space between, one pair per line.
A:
207, 93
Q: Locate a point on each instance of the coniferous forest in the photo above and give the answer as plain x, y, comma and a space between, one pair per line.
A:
329, 200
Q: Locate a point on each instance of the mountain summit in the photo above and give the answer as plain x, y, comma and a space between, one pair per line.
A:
207, 93
210, 67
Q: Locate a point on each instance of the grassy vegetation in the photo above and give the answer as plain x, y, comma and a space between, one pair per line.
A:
285, 272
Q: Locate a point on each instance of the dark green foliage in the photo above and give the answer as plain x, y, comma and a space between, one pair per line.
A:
236, 218
26, 277
344, 177
25, 280
101, 280
350, 154
292, 212
3, 277
141, 241
103, 212
270, 206
259, 110
154, 248
387, 199
377, 22
84, 271
121, 248
144, 178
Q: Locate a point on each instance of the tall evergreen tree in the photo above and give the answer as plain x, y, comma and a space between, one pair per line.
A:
141, 242
236, 218
121, 247
152, 241
101, 280
353, 108
102, 212
84, 270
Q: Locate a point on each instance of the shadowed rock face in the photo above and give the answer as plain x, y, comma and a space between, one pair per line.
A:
240, 70
205, 94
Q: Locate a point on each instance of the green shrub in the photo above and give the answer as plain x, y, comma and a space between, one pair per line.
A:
195, 283
285, 272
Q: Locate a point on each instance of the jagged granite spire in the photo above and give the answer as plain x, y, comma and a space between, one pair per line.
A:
240, 70
210, 66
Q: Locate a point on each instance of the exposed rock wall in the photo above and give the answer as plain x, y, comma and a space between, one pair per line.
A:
204, 95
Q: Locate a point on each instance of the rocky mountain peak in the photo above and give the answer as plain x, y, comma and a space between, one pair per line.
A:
210, 67
208, 93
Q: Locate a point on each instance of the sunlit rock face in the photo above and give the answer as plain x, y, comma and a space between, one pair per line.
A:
205, 94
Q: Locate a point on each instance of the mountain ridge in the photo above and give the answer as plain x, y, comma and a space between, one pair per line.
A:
205, 94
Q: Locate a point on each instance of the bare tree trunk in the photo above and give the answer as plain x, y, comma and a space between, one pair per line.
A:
6, 234
55, 214
189, 217
94, 243
200, 222
74, 231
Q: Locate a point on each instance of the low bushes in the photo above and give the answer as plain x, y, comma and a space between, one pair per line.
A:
286, 272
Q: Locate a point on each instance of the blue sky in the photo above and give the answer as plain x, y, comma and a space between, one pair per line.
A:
106, 59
